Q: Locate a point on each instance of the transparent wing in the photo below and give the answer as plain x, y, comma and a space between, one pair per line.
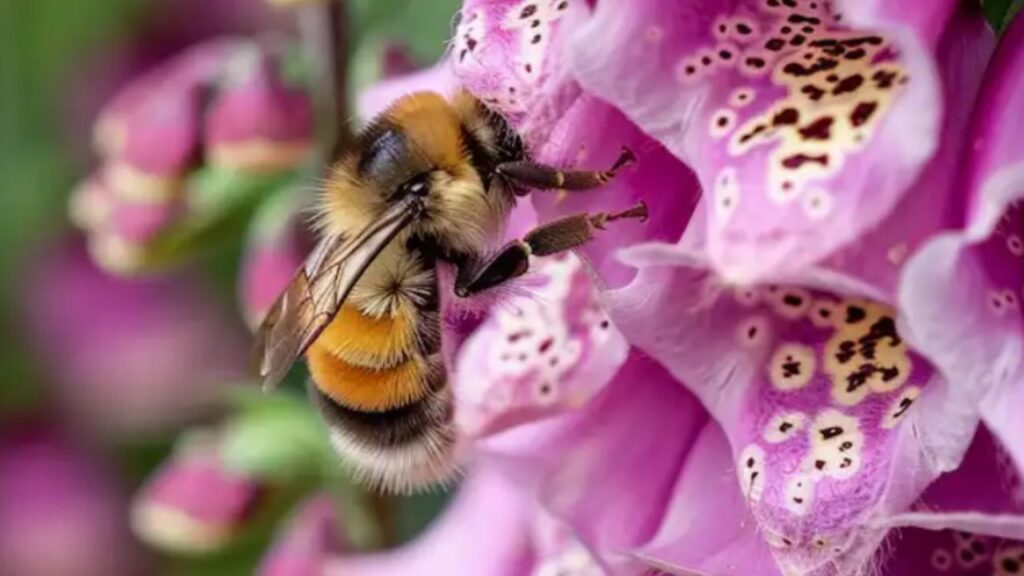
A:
319, 288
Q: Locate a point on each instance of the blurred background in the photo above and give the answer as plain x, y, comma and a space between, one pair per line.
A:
124, 338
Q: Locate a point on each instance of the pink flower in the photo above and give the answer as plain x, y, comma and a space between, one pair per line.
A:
60, 513
135, 357
193, 504
224, 101
305, 542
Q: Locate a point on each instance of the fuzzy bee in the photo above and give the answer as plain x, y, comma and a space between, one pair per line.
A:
430, 182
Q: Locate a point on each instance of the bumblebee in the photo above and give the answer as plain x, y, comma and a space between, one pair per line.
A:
430, 182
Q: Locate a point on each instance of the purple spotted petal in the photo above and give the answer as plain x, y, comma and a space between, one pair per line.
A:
486, 530
586, 466
509, 53
961, 293
542, 352
804, 133
812, 390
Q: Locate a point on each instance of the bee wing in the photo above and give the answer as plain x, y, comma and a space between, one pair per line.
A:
318, 290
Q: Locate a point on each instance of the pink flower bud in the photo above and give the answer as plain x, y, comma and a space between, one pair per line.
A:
261, 124
193, 505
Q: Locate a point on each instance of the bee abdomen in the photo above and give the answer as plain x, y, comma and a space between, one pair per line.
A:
398, 450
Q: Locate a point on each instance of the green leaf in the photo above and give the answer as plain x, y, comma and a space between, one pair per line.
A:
278, 438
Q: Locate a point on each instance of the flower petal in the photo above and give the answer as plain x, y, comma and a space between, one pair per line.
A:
815, 392
306, 542
586, 465
779, 107
961, 293
485, 530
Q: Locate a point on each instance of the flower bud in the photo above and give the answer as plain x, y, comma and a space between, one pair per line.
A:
260, 124
193, 505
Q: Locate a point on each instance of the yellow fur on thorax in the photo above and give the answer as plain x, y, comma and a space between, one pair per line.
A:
376, 343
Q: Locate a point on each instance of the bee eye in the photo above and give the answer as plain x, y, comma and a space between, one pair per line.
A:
417, 186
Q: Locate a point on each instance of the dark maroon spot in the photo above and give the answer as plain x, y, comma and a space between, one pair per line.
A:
536, 39
856, 54
855, 314
797, 40
789, 3
798, 500
786, 116
830, 432
832, 78
847, 350
845, 463
545, 389
862, 113
512, 89
751, 332
785, 427
462, 54
690, 69
773, 3
755, 62
775, 44
605, 324
553, 361
750, 462
792, 300
563, 5
845, 446
787, 541
820, 129
785, 29
819, 464
725, 54
528, 10
753, 132
905, 405
797, 160
722, 121
824, 313
787, 185
790, 369
743, 28
862, 40
546, 345
1010, 565
706, 60
801, 19
516, 336
814, 5
799, 70
848, 84
722, 28
966, 555
978, 547
528, 68
807, 29
883, 78
535, 23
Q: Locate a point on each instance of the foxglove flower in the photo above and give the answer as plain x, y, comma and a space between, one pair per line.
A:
193, 504
225, 100
260, 124
276, 247
55, 498
961, 292
136, 357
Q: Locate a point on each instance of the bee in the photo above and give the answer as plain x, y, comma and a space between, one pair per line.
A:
428, 183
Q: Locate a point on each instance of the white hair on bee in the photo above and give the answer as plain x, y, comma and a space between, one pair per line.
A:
422, 465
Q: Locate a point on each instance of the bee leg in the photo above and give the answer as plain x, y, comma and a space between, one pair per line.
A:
542, 177
558, 236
